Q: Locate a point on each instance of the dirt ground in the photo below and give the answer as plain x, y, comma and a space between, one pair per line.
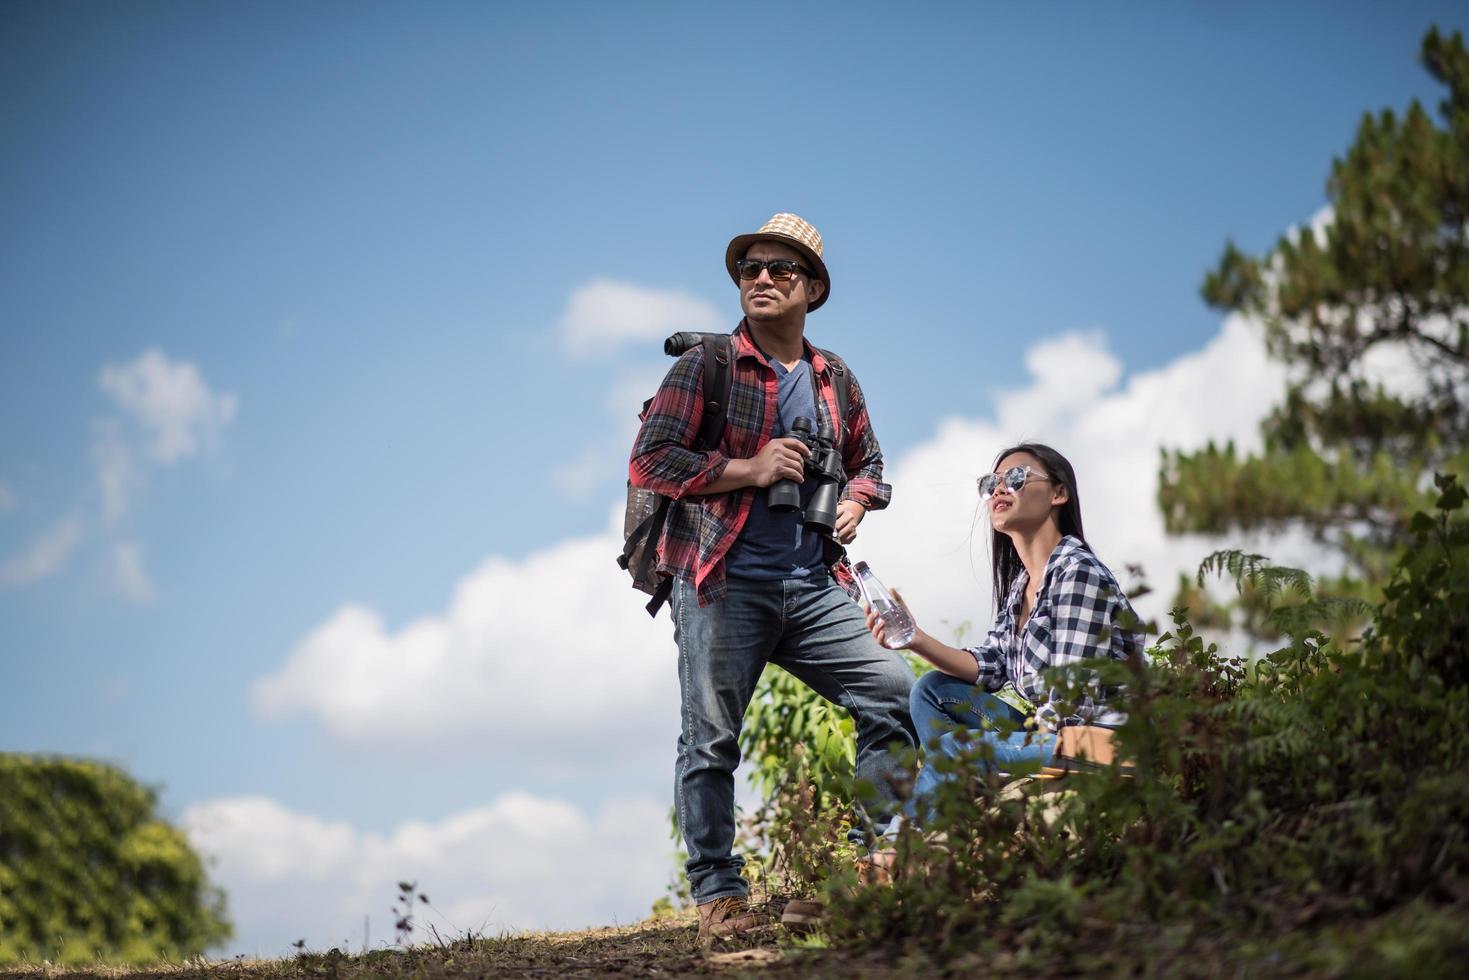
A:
1418, 940
663, 947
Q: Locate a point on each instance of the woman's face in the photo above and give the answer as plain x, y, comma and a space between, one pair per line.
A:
1028, 508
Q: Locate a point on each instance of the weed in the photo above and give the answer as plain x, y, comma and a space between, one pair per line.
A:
403, 910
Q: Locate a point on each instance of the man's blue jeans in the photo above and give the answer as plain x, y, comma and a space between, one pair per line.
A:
951, 715
811, 628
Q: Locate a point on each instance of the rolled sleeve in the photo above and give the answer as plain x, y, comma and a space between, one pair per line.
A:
862, 456
662, 460
990, 657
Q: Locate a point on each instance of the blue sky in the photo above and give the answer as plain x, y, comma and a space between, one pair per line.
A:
353, 237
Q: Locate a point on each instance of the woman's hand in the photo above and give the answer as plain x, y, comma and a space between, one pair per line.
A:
878, 630
951, 660
874, 626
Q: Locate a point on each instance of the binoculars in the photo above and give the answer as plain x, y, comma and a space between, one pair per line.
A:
825, 465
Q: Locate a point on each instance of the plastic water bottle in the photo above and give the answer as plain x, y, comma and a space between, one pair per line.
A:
898, 627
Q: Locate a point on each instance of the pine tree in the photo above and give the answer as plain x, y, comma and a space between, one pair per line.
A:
1384, 279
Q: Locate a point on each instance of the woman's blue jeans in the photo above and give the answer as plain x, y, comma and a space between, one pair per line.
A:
951, 715
811, 628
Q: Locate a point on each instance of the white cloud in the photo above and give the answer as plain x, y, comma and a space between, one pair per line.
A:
46, 556
1080, 361
558, 643
170, 401
933, 541
118, 474
125, 572
169, 413
519, 862
605, 313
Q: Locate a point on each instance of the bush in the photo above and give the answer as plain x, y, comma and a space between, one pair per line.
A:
1323, 784
88, 872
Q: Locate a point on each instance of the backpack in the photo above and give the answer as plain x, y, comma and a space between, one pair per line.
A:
646, 513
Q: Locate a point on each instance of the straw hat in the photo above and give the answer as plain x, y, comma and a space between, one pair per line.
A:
787, 229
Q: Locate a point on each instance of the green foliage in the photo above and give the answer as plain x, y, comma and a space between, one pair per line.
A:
787, 719
1321, 784
1266, 591
800, 752
1344, 458
802, 756
89, 873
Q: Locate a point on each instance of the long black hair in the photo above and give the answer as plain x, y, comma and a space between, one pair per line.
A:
1005, 562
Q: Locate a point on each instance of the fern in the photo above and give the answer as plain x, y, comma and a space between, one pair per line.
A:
1258, 573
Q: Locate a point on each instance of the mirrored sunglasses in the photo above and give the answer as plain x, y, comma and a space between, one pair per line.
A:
1014, 480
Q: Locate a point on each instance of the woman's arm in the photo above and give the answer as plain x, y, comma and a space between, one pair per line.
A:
978, 665
951, 660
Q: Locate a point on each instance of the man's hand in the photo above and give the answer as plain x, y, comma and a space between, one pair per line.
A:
779, 459
849, 515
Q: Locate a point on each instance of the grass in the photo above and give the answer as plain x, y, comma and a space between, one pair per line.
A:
1417, 940
666, 946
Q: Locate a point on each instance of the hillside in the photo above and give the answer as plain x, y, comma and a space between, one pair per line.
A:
1415, 941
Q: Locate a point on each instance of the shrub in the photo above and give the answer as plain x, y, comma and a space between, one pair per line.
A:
88, 872
1323, 783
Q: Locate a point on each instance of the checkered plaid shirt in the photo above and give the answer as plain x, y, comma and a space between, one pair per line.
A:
1078, 603
701, 528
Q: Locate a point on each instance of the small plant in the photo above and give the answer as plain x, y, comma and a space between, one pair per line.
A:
403, 910
803, 756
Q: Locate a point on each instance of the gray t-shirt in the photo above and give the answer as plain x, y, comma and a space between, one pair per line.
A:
773, 545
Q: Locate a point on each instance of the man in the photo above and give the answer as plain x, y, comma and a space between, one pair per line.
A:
752, 585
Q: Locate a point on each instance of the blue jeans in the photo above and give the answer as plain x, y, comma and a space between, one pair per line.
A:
943, 707
811, 628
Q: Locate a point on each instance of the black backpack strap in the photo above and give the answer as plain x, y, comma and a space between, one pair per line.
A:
645, 571
665, 589
718, 377
841, 379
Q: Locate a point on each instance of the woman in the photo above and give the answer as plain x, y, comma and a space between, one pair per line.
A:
1055, 604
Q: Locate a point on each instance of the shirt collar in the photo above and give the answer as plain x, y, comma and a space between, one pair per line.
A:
745, 346
1065, 548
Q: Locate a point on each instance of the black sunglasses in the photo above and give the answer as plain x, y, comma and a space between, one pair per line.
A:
780, 269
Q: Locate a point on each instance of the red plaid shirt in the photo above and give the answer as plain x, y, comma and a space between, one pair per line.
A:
701, 528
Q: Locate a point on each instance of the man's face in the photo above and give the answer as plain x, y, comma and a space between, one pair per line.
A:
763, 298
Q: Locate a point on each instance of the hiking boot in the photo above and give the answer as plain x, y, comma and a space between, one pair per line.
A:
801, 916
876, 868
731, 916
